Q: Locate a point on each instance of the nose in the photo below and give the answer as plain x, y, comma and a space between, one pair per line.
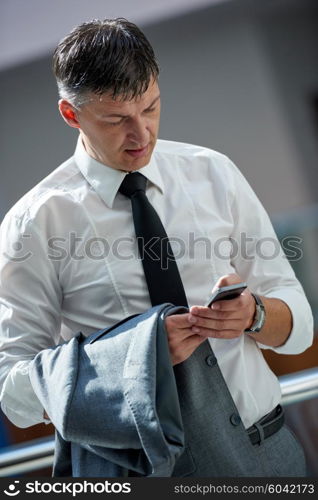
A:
139, 132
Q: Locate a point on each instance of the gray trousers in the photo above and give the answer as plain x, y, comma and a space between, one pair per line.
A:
217, 444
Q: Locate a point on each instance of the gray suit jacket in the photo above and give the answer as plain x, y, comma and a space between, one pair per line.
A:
113, 400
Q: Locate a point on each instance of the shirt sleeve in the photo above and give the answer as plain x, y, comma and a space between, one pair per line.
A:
259, 259
30, 315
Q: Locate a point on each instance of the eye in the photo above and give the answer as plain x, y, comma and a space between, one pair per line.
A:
150, 110
114, 124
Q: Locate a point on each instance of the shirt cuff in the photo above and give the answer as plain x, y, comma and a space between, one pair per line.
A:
301, 335
18, 399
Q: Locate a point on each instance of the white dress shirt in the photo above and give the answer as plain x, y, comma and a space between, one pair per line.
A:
69, 263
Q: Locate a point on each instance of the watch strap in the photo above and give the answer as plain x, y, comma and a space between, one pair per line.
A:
260, 316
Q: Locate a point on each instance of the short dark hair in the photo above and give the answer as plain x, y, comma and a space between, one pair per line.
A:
104, 56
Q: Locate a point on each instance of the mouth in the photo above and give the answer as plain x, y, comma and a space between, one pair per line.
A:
137, 153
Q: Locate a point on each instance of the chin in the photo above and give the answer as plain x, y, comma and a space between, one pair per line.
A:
137, 164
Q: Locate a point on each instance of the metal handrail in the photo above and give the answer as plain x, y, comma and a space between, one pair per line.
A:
299, 386
39, 453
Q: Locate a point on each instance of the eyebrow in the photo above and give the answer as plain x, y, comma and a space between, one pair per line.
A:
118, 115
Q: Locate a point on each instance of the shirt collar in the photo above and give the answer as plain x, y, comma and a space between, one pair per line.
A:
106, 180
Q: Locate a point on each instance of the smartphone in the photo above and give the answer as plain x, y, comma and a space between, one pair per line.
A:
227, 293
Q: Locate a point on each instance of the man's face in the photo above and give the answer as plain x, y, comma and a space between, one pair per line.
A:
119, 133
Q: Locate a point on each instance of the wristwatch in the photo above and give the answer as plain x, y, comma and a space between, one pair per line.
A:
260, 316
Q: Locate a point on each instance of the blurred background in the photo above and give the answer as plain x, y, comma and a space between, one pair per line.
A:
238, 76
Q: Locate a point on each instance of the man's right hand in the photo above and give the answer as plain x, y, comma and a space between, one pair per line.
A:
181, 338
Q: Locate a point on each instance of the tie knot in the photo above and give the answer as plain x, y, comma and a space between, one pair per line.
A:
133, 182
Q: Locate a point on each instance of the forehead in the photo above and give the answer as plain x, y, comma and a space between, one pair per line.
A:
106, 103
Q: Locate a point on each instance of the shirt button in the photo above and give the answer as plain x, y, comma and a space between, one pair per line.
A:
211, 360
235, 419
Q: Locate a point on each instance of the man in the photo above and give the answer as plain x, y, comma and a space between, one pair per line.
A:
69, 261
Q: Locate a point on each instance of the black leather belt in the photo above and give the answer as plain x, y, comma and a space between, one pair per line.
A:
266, 426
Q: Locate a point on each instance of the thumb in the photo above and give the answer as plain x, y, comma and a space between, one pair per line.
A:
226, 280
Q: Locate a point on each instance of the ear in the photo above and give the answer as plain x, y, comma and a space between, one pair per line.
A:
69, 113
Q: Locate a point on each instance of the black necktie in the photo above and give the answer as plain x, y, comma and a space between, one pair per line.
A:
160, 268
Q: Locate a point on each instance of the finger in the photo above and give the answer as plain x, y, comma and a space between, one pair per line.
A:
182, 351
194, 340
227, 279
190, 344
178, 335
231, 305
219, 324
220, 334
208, 313
179, 320
227, 305
188, 339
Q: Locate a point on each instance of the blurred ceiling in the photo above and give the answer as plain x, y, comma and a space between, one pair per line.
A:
30, 29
